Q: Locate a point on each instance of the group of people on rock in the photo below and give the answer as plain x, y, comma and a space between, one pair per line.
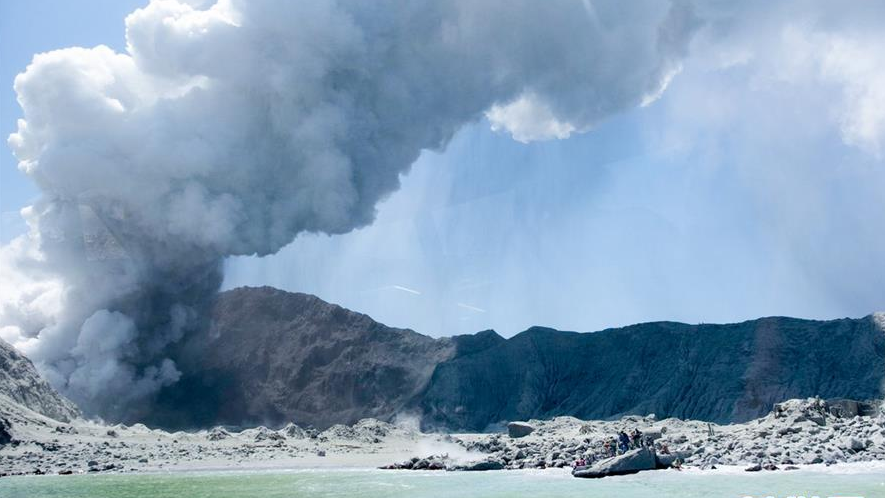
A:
623, 443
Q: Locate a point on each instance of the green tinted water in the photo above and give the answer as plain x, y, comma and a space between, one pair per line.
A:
374, 483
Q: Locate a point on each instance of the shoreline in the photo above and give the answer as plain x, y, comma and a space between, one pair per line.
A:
799, 434
842, 469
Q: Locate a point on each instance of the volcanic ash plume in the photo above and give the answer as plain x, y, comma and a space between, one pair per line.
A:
228, 129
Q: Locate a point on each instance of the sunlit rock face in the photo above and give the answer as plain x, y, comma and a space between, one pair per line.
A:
20, 383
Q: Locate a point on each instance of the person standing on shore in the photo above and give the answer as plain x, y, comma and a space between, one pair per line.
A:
636, 439
623, 442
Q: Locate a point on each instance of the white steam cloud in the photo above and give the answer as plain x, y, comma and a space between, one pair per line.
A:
228, 129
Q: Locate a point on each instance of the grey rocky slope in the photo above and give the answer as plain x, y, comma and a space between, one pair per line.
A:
271, 357
20, 383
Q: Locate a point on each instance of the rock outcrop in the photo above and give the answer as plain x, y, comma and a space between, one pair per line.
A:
519, 429
630, 462
20, 383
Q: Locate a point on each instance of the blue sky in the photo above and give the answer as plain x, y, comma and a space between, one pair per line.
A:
750, 188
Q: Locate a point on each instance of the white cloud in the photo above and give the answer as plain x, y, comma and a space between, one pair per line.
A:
528, 120
858, 66
830, 54
30, 297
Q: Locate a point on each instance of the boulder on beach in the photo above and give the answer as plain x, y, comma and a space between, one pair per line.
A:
852, 443
367, 430
294, 431
217, 434
630, 462
519, 429
482, 465
654, 433
848, 408
430, 463
262, 433
665, 461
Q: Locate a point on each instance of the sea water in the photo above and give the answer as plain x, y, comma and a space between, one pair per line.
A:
867, 483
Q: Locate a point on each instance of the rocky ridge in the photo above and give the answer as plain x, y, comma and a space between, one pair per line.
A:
270, 357
719, 373
20, 383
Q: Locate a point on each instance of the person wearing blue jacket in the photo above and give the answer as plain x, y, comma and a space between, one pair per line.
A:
623, 441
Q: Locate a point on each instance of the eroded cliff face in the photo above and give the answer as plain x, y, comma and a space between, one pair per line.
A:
20, 383
272, 357
720, 373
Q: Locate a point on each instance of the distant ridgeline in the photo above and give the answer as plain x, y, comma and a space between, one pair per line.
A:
271, 357
719, 373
